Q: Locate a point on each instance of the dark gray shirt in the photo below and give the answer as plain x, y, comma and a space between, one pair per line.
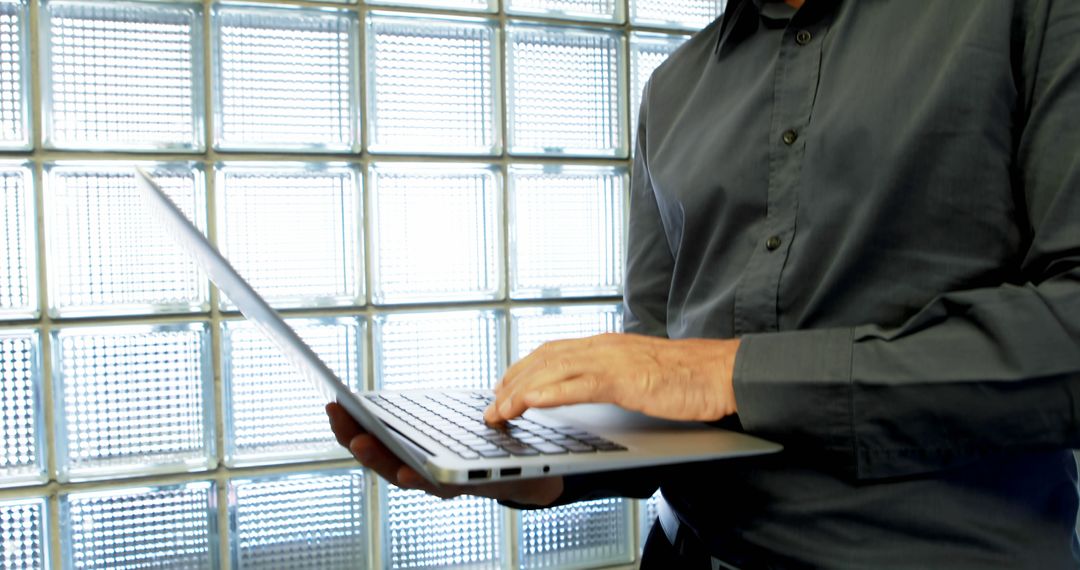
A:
882, 199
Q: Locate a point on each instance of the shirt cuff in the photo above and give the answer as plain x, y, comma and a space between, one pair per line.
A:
795, 387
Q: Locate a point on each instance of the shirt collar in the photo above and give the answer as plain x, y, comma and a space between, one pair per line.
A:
740, 20
743, 17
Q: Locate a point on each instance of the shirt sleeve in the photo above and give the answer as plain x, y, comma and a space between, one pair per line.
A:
974, 372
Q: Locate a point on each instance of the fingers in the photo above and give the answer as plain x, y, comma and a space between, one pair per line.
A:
572, 391
364, 447
554, 354
375, 456
545, 364
531, 381
342, 424
547, 389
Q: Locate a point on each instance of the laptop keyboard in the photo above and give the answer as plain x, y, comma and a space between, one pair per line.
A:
458, 420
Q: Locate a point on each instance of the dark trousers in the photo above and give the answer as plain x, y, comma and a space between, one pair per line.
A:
662, 555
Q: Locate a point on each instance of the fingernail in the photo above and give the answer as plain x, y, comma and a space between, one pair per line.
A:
504, 409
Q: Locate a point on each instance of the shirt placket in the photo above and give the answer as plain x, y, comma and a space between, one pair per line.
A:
795, 83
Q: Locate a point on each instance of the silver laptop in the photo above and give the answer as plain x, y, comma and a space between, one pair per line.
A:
441, 433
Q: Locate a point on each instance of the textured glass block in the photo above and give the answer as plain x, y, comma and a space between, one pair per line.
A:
272, 412
107, 254
431, 86
580, 535
132, 400
563, 91
423, 531
683, 14
599, 10
285, 79
18, 238
530, 327
298, 522
647, 52
293, 231
21, 442
436, 233
122, 75
648, 512
24, 542
171, 527
566, 231
471, 5
446, 349
14, 74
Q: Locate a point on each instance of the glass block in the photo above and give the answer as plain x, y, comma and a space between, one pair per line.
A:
597, 10
293, 231
566, 231
122, 75
470, 5
438, 350
296, 522
431, 86
579, 535
21, 442
563, 91
436, 233
18, 254
14, 74
24, 540
533, 326
144, 527
132, 400
285, 79
681, 14
273, 414
423, 531
647, 52
647, 516
106, 253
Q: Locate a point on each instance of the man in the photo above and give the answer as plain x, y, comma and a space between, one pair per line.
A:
856, 225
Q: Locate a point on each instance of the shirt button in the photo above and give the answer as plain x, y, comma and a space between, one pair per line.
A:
790, 137
773, 243
803, 37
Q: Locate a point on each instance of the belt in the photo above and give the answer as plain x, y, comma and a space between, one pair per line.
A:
682, 539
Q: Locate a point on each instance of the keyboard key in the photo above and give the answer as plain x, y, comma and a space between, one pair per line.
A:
578, 447
548, 448
492, 453
521, 450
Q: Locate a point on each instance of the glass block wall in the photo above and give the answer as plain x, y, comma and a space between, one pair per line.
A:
427, 189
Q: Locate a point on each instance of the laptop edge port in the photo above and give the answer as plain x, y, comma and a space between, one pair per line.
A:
479, 474
509, 472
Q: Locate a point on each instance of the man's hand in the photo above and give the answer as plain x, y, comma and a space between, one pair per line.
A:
674, 379
374, 455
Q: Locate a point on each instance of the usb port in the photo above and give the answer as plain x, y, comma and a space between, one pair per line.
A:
509, 472
479, 474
